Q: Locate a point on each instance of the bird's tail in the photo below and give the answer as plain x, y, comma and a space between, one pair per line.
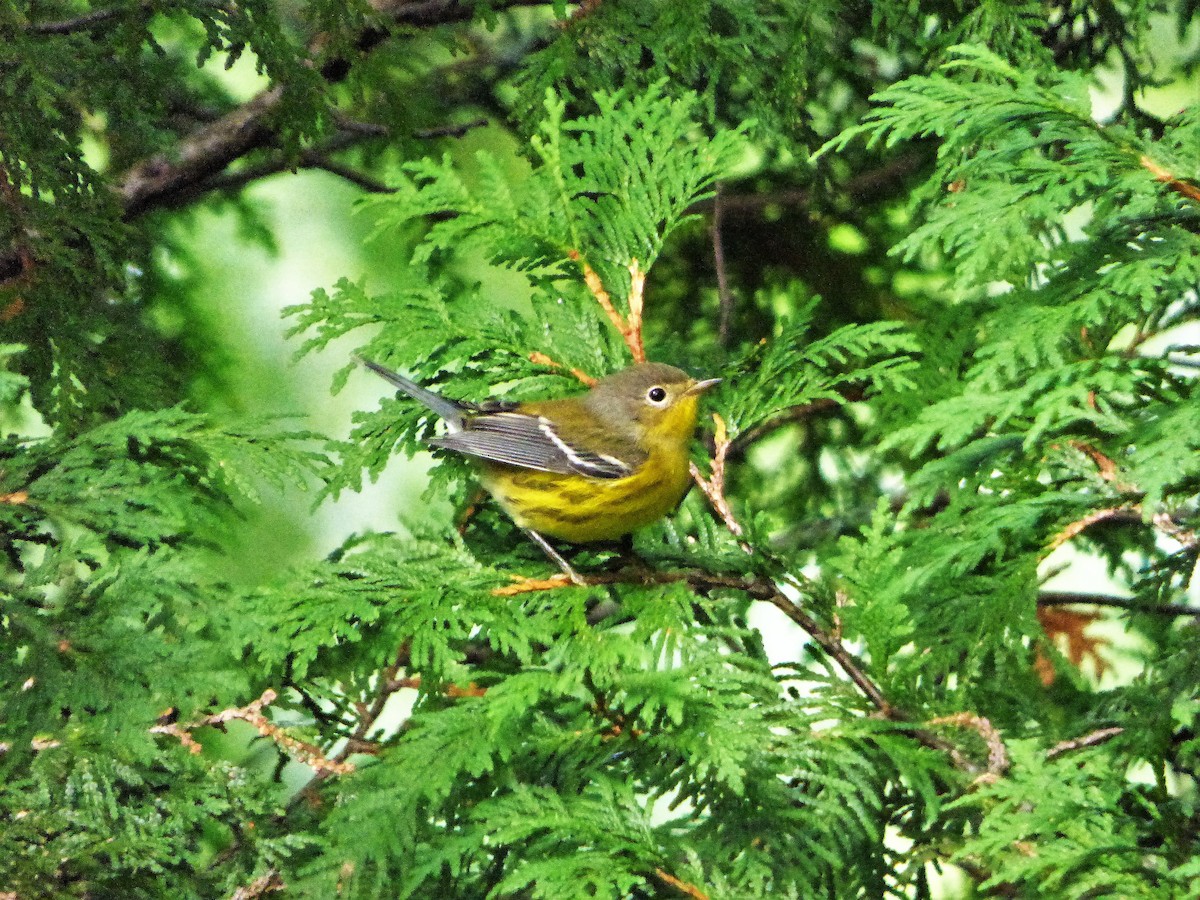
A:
448, 410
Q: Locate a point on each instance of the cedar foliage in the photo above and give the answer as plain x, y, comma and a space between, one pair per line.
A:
953, 308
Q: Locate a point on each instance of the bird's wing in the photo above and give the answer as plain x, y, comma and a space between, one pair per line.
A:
531, 442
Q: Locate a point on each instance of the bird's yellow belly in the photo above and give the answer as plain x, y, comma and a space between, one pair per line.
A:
580, 510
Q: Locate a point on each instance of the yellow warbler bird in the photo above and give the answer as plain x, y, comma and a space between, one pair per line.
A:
581, 469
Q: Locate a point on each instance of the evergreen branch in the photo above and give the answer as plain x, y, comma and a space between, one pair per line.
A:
1071, 598
765, 590
1094, 739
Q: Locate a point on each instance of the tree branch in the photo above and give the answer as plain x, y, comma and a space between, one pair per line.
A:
208, 151
1069, 598
763, 589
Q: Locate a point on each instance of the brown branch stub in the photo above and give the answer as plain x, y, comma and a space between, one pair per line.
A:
1124, 511
683, 887
1184, 188
998, 761
714, 486
1093, 739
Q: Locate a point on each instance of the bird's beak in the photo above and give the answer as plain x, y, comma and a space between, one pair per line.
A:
700, 387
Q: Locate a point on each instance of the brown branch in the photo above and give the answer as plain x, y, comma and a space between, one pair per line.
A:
543, 360
307, 159
683, 887
1071, 598
1172, 529
765, 590
369, 713
1125, 512
998, 761
865, 187
714, 486
208, 151
629, 328
204, 153
637, 294
1184, 188
96, 17
790, 415
1088, 740
449, 130
264, 884
724, 295
252, 713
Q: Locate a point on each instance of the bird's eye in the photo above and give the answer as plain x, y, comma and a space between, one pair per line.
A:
656, 395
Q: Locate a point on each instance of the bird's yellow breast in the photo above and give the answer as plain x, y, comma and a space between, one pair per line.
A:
580, 510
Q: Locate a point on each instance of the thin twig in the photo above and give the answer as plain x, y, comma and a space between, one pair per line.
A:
424, 134
637, 296
252, 713
1088, 740
1071, 598
630, 328
714, 486
1125, 512
788, 416
725, 318
313, 158
683, 887
543, 360
1184, 188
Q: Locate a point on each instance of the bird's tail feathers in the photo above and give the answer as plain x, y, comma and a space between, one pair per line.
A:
448, 410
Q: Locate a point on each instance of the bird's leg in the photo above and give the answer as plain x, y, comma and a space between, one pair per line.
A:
557, 557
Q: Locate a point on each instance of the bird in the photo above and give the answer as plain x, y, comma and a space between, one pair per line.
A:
580, 469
